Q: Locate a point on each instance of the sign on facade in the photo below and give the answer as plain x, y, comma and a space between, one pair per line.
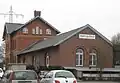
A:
86, 36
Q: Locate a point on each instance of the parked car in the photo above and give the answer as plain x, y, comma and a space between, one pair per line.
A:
42, 73
20, 76
1, 73
59, 76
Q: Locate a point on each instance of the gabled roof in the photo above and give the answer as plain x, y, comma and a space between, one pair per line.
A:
9, 28
40, 18
60, 39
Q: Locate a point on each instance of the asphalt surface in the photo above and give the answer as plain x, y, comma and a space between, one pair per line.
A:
97, 82
92, 82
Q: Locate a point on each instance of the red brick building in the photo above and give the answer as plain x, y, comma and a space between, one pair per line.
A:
36, 42
81, 47
19, 36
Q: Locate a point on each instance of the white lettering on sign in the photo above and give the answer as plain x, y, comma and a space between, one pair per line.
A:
86, 36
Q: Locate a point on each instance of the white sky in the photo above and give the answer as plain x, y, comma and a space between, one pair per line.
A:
65, 15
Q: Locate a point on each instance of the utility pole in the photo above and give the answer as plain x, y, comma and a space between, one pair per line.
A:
11, 14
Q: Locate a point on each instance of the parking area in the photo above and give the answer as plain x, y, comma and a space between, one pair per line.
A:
97, 82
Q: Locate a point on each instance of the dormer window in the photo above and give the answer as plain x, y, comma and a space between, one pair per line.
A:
48, 31
33, 31
25, 30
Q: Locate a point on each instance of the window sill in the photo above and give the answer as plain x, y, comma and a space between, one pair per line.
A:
92, 65
79, 65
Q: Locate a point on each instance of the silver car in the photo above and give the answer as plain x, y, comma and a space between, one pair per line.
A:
20, 76
59, 76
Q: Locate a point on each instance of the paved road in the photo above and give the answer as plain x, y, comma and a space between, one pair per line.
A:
97, 82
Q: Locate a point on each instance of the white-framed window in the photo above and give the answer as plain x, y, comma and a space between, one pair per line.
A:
37, 30
40, 31
79, 57
92, 59
33, 31
47, 60
25, 30
48, 31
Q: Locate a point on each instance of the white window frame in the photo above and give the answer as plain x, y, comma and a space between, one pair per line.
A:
37, 30
25, 30
40, 31
33, 31
80, 54
93, 54
48, 31
47, 60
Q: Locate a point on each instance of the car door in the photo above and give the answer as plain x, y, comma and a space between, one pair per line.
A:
48, 78
5, 78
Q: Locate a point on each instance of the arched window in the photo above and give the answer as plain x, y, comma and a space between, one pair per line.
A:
79, 57
93, 57
47, 60
37, 30
48, 31
25, 30
40, 31
33, 31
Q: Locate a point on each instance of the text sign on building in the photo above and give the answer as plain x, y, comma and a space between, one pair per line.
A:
86, 36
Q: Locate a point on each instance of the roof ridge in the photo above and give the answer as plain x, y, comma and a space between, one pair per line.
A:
105, 38
69, 31
32, 19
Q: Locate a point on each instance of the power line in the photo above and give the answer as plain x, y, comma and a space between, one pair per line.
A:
11, 14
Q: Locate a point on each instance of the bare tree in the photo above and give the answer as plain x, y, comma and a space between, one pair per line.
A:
116, 39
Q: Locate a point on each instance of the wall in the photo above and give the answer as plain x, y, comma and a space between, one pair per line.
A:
68, 50
39, 56
22, 40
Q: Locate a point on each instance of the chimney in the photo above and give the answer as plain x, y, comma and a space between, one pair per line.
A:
37, 13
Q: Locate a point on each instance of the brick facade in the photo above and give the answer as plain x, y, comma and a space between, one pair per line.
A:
17, 41
65, 53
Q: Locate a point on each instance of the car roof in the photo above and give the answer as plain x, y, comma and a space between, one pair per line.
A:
59, 71
18, 70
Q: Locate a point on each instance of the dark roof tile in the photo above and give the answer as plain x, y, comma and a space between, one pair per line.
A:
11, 27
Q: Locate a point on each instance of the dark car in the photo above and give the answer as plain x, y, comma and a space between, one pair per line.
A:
20, 76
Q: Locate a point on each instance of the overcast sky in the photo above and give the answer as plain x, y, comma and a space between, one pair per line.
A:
65, 15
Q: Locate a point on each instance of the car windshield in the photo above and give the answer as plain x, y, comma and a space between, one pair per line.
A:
64, 74
25, 75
